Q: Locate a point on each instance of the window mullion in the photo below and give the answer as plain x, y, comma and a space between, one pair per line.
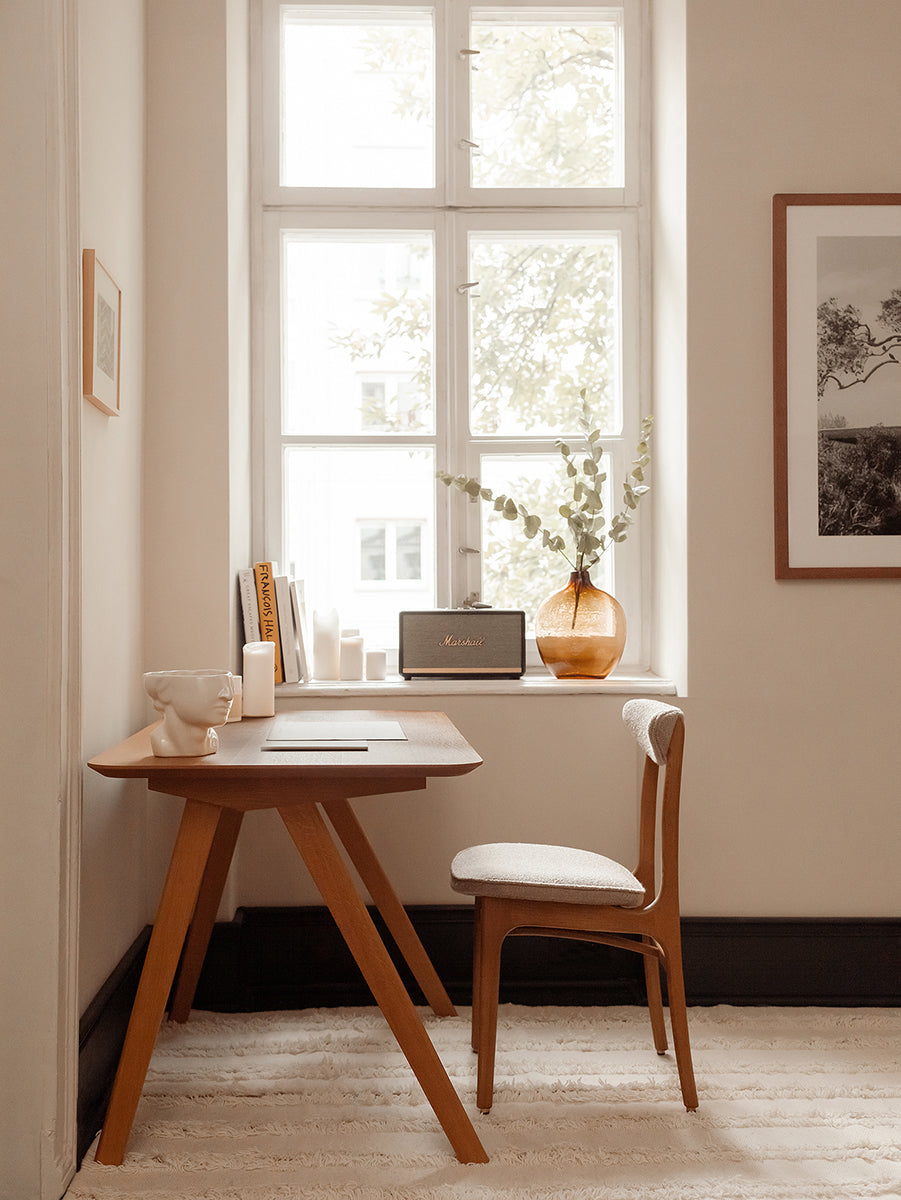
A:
459, 126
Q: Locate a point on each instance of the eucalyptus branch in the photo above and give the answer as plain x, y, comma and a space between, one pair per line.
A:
589, 531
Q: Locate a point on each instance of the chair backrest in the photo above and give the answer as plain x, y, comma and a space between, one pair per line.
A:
659, 729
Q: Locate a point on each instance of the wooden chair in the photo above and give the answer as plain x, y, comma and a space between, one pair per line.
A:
555, 891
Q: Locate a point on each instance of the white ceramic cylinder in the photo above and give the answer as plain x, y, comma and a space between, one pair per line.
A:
351, 654
237, 708
259, 679
375, 664
326, 645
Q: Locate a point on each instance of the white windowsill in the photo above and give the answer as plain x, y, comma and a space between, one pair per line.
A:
538, 683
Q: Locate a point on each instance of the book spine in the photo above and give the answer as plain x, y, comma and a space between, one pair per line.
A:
247, 589
286, 629
269, 613
300, 620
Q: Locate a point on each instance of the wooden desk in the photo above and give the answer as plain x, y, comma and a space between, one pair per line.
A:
218, 790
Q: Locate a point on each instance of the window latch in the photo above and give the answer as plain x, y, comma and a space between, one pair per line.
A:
467, 52
468, 550
464, 289
467, 144
473, 601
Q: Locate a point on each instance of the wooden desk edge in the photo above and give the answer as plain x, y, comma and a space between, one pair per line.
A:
132, 759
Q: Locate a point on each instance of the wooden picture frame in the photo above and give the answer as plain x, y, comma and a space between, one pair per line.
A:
837, 385
102, 335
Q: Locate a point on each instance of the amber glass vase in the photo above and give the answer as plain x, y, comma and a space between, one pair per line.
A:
580, 631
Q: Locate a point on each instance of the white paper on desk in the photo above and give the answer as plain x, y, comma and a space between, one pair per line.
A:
294, 727
297, 744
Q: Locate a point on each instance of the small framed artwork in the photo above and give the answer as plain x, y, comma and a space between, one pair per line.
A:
837, 385
101, 320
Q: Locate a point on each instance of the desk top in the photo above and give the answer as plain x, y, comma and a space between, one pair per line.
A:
433, 746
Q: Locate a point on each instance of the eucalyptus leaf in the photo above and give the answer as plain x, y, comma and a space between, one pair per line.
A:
584, 512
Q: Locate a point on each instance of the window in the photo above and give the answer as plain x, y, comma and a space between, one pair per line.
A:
451, 239
390, 553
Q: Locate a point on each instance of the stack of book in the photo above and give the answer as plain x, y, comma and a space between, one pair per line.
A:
273, 609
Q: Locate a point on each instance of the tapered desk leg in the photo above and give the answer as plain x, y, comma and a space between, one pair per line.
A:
311, 836
395, 915
204, 918
179, 898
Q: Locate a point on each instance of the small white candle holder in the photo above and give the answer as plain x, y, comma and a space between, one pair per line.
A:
351, 654
376, 664
259, 679
326, 645
193, 704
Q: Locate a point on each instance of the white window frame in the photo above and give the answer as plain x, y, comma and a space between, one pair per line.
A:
452, 209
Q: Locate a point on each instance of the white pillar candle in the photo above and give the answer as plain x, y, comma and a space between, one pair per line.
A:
375, 664
326, 645
237, 708
259, 679
351, 654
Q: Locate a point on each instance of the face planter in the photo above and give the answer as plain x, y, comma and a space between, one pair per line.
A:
191, 703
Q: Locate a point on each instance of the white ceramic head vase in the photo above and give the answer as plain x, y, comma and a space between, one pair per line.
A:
192, 703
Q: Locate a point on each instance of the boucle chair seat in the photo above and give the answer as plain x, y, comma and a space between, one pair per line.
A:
523, 871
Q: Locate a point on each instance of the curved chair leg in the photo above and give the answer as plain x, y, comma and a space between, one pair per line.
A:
655, 1000
679, 1020
493, 930
476, 973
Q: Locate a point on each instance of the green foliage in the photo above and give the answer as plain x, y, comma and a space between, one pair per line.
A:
831, 421
544, 103
538, 302
587, 525
545, 96
849, 352
860, 484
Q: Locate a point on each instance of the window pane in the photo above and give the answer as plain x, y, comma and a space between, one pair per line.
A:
372, 552
544, 323
545, 111
357, 333
409, 551
358, 98
331, 494
517, 572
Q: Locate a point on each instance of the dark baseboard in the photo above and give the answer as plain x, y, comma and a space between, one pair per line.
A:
101, 1033
289, 958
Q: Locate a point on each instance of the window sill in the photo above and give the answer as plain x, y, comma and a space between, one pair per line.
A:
539, 683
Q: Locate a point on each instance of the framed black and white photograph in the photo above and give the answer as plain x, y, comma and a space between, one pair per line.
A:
837, 385
102, 314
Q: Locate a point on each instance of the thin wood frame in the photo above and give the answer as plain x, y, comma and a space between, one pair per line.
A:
102, 335
804, 269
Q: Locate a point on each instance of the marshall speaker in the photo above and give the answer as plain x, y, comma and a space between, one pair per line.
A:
462, 643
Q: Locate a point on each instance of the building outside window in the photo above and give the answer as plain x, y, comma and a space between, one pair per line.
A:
452, 239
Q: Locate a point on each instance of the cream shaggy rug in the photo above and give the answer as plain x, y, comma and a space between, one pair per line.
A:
796, 1104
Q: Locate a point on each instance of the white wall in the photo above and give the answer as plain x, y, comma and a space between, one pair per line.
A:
793, 686
114, 904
